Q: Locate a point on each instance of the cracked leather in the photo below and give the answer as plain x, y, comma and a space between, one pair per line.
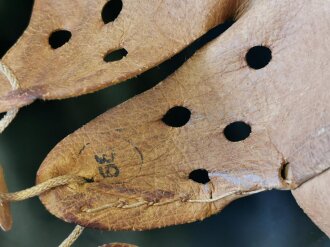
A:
150, 31
129, 155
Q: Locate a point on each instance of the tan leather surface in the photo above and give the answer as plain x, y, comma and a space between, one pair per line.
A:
150, 31
6, 220
314, 198
285, 103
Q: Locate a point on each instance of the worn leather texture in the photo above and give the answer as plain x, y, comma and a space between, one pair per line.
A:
150, 31
313, 197
129, 155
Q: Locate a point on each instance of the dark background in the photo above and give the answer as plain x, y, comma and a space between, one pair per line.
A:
267, 219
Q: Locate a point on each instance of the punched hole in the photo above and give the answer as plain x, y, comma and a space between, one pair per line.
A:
111, 10
284, 171
177, 116
89, 180
258, 57
200, 176
237, 131
116, 55
59, 38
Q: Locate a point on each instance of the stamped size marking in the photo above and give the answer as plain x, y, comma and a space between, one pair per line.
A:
104, 159
107, 168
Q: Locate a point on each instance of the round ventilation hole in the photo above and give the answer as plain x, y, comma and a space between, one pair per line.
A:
237, 131
116, 55
111, 10
58, 38
200, 176
258, 57
177, 116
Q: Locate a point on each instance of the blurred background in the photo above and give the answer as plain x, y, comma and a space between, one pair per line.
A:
267, 219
